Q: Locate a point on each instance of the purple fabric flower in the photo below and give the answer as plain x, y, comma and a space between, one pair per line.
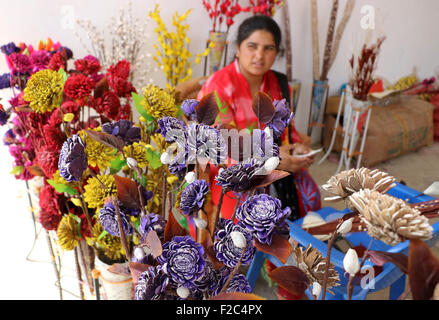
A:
124, 130
171, 128
240, 177
21, 63
192, 197
225, 249
9, 48
188, 106
72, 159
178, 166
183, 260
150, 222
203, 142
40, 60
68, 52
152, 285
4, 116
9, 137
261, 215
281, 118
238, 283
267, 147
108, 218
5, 81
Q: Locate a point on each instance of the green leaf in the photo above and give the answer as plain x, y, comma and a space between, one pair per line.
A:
17, 170
26, 52
218, 102
62, 72
78, 220
183, 223
117, 164
61, 188
137, 99
153, 159
103, 234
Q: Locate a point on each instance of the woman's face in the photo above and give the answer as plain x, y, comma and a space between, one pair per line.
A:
257, 53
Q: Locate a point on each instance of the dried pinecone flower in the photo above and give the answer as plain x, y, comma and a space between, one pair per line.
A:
390, 219
240, 177
345, 183
68, 237
158, 102
312, 263
152, 284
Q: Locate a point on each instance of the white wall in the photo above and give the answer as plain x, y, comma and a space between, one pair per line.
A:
410, 27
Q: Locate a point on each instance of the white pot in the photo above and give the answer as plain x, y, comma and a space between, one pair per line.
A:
116, 286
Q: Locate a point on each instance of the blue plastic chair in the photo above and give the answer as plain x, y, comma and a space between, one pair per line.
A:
390, 276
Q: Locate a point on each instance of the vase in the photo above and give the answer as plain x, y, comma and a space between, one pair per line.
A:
216, 53
318, 103
116, 286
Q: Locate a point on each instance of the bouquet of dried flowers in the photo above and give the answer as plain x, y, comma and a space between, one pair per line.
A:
265, 7
222, 13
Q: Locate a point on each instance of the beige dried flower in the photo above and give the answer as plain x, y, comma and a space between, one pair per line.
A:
345, 183
312, 263
390, 219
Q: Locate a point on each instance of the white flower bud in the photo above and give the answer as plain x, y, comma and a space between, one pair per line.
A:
200, 223
269, 132
190, 177
271, 164
351, 263
238, 239
346, 226
183, 292
316, 289
132, 163
139, 253
165, 158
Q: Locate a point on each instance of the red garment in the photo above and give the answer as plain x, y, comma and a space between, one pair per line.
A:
236, 109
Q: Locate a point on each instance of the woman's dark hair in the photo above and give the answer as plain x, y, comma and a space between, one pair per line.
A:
259, 22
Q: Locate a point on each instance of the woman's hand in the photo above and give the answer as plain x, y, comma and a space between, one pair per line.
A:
291, 163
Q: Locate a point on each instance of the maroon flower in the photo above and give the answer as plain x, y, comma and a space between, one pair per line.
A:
117, 76
49, 216
89, 65
107, 105
21, 63
47, 159
78, 86
58, 60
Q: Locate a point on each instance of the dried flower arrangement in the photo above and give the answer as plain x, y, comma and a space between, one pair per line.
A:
222, 13
124, 38
331, 45
265, 7
362, 77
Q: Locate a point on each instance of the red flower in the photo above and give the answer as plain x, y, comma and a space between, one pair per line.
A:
49, 216
78, 86
124, 112
71, 107
120, 70
53, 136
108, 104
89, 65
117, 76
58, 60
47, 159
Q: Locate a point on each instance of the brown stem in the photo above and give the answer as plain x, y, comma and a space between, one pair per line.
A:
123, 238
234, 272
84, 207
350, 287
236, 207
328, 261
52, 254
78, 273
164, 194
218, 213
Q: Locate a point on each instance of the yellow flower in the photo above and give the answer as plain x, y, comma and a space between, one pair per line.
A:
44, 90
95, 194
137, 151
98, 154
158, 102
110, 245
68, 237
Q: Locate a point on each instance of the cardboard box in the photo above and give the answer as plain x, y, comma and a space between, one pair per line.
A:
394, 130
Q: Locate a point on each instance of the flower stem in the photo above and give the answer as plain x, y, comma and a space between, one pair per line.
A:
328, 261
350, 287
123, 238
234, 272
218, 213
84, 207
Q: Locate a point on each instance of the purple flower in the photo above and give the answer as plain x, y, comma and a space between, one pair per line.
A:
192, 197
183, 260
5, 81
150, 222
124, 130
225, 249
72, 159
178, 166
281, 118
108, 218
40, 60
4, 116
9, 48
9, 137
152, 285
171, 128
267, 147
68, 52
21, 63
240, 177
261, 215
238, 283
188, 106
